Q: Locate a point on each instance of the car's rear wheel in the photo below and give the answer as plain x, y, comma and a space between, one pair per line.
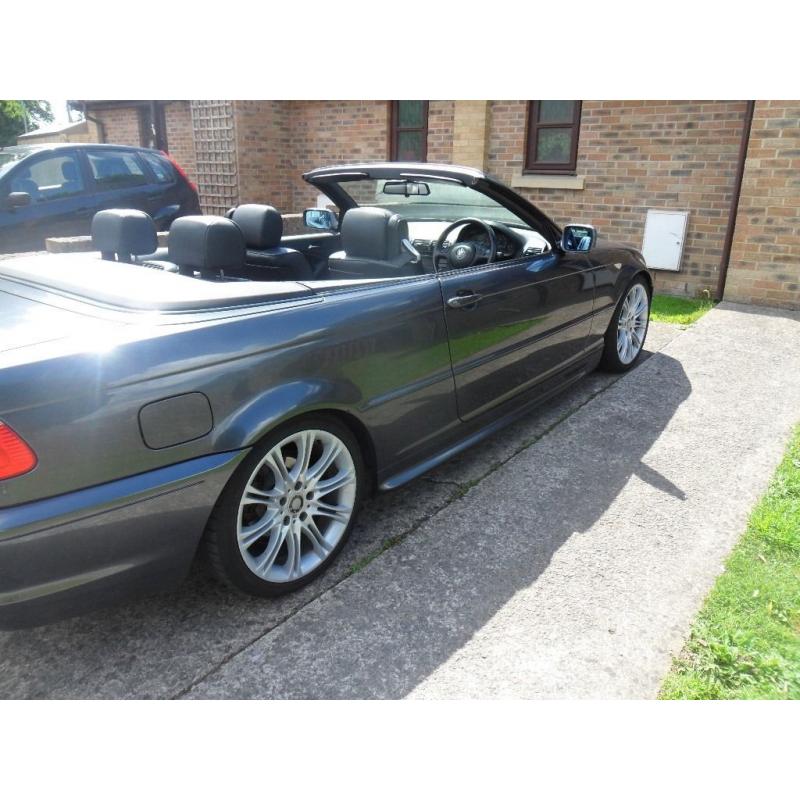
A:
627, 331
288, 509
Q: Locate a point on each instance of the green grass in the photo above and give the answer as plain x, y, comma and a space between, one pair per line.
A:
678, 310
745, 643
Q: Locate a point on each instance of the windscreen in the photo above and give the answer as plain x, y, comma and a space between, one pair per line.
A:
8, 159
436, 200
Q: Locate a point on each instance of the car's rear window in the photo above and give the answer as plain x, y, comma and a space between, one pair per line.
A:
114, 169
162, 169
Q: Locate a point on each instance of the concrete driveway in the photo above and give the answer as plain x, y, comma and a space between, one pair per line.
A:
564, 557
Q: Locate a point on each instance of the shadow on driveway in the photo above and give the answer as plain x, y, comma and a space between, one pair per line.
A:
385, 629
381, 633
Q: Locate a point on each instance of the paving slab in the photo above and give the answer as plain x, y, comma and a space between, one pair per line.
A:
575, 568
161, 646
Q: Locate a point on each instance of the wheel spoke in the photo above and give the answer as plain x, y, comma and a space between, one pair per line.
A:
305, 443
264, 563
252, 533
275, 462
339, 513
253, 496
336, 482
314, 535
329, 455
294, 551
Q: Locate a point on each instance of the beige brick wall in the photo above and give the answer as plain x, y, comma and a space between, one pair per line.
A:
471, 124
440, 131
636, 155
764, 267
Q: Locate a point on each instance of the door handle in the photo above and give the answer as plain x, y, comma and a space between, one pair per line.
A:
467, 300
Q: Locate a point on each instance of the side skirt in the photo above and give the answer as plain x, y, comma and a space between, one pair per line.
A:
570, 376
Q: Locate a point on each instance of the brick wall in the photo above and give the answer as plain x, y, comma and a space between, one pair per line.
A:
440, 131
329, 132
636, 155
764, 267
120, 125
180, 136
264, 142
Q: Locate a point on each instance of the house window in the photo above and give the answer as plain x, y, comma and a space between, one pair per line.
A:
409, 130
552, 141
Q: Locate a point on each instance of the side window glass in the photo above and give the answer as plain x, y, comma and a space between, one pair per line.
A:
115, 169
162, 169
49, 178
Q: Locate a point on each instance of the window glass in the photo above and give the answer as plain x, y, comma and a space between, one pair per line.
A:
552, 136
409, 130
114, 169
49, 178
446, 202
411, 113
410, 146
554, 145
556, 110
162, 169
8, 158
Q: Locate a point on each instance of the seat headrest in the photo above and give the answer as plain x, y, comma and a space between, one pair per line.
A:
123, 231
373, 233
262, 226
206, 243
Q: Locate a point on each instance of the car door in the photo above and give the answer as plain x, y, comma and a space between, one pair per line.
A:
120, 179
60, 204
512, 325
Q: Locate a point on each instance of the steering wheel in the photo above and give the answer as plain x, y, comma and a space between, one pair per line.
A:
465, 254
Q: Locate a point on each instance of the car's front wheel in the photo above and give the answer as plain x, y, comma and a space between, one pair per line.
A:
288, 509
627, 331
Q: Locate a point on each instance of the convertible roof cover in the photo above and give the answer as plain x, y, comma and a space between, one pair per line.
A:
87, 277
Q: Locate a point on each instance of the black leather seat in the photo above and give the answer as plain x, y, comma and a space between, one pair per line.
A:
376, 245
262, 228
212, 246
125, 234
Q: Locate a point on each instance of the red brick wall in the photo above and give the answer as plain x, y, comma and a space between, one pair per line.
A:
120, 125
328, 132
264, 146
637, 155
765, 259
180, 136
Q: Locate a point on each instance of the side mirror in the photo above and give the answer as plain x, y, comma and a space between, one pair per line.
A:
321, 219
578, 237
18, 199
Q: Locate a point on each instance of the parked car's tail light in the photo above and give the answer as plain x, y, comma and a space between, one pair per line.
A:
180, 171
16, 458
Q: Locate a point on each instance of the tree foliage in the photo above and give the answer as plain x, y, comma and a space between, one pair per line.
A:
15, 114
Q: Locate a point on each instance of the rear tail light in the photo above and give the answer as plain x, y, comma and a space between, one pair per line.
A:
180, 171
16, 458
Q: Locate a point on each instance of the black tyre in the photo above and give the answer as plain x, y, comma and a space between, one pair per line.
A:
627, 331
288, 510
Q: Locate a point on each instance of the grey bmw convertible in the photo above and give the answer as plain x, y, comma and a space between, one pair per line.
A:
240, 392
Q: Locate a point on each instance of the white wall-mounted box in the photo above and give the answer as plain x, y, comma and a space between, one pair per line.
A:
664, 234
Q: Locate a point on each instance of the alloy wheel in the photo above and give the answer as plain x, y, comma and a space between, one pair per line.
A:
296, 506
632, 324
